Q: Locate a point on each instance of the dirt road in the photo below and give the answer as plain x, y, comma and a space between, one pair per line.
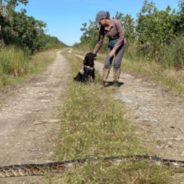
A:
30, 119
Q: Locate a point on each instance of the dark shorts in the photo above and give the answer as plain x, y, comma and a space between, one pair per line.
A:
117, 59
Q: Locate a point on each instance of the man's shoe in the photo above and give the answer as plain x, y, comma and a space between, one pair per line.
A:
105, 83
116, 84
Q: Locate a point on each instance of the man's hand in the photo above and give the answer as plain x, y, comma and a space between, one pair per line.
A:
112, 53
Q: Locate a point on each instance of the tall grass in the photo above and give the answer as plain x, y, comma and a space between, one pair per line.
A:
169, 56
165, 71
13, 61
17, 65
169, 78
174, 53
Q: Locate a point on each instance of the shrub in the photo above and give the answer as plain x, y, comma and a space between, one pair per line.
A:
174, 53
13, 61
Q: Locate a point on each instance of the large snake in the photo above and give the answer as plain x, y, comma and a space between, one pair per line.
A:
41, 169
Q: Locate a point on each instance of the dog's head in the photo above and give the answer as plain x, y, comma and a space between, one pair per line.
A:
89, 59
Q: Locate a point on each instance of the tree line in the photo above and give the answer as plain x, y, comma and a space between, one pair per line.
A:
155, 34
16, 28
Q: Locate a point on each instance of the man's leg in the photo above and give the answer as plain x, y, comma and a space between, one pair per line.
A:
116, 73
117, 65
107, 67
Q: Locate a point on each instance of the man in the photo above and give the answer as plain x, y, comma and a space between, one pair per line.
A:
113, 29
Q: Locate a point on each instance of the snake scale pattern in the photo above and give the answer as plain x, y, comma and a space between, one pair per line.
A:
41, 169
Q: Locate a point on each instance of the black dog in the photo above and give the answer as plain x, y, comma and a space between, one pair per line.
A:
88, 70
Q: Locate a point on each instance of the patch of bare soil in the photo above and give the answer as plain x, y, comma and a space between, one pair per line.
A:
158, 112
30, 119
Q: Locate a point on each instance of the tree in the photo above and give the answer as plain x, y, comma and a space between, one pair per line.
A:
90, 34
11, 4
148, 8
129, 26
155, 30
179, 24
7, 9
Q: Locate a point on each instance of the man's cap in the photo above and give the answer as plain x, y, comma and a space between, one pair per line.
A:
102, 15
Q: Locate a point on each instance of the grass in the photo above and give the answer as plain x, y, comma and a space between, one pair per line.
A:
92, 125
13, 61
174, 53
16, 66
40, 61
169, 78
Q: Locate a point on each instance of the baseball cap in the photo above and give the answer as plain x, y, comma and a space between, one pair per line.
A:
102, 15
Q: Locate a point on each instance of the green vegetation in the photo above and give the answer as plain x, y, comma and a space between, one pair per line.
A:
169, 78
16, 28
13, 61
21, 37
154, 35
17, 66
174, 54
155, 43
92, 124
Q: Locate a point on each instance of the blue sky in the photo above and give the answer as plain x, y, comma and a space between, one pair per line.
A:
65, 17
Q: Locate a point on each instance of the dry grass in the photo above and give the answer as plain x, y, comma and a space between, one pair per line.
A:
169, 78
18, 67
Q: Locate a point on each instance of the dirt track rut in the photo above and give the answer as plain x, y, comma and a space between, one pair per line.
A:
30, 118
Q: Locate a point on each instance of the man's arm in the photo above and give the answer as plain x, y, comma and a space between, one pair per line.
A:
121, 34
100, 41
